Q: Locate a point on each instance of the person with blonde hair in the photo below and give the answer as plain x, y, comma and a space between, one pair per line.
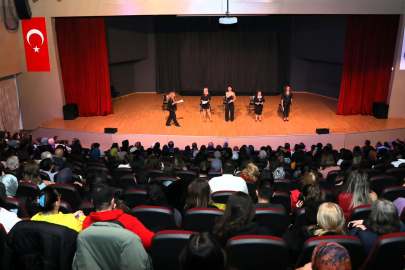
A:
206, 97
172, 107
250, 173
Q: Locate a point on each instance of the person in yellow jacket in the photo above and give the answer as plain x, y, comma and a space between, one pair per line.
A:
48, 203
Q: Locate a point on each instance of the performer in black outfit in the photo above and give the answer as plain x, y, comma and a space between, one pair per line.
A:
172, 107
259, 100
286, 101
230, 98
206, 107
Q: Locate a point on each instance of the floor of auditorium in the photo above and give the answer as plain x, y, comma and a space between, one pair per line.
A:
142, 114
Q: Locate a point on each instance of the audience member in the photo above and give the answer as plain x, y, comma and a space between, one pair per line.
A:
227, 181
202, 252
31, 175
276, 166
205, 168
46, 166
102, 197
328, 164
199, 195
7, 218
264, 193
250, 173
48, 206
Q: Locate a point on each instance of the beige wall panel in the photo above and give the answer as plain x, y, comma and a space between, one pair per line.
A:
254, 8
72, 8
354, 139
41, 95
317, 8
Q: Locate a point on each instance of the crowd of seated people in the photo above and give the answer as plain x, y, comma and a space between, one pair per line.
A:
317, 189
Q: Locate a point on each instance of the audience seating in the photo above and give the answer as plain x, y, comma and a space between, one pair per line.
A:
388, 253
155, 217
331, 176
261, 166
78, 170
288, 175
283, 185
153, 173
339, 179
113, 164
221, 196
120, 172
300, 219
126, 181
329, 196
69, 195
213, 174
195, 169
91, 169
201, 219
12, 203
135, 197
402, 165
398, 173
28, 190
187, 175
12, 172
257, 252
110, 179
325, 184
393, 193
164, 178
65, 208
93, 163
166, 248
87, 208
352, 244
360, 212
383, 167
372, 172
275, 219
282, 198
44, 176
76, 177
378, 183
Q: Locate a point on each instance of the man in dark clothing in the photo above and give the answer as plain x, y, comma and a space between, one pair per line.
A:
264, 193
141, 179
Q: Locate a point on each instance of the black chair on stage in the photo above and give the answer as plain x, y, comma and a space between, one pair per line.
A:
223, 104
164, 105
251, 103
114, 94
200, 107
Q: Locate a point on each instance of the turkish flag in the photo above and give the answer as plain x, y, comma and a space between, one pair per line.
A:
36, 44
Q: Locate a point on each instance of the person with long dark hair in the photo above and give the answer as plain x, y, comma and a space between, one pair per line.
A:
259, 100
286, 102
237, 219
230, 107
172, 107
206, 97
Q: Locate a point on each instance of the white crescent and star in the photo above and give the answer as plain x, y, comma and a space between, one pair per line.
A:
32, 32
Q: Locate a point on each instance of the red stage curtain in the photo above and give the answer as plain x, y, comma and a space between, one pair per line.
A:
84, 64
368, 59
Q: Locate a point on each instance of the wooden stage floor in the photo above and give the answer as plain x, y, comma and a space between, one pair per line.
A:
142, 114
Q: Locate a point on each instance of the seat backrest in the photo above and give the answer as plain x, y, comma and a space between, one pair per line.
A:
65, 208
166, 248
383, 167
300, 219
329, 196
282, 198
252, 98
398, 173
126, 181
164, 178
388, 253
325, 184
257, 252
360, 212
378, 183
135, 197
12, 172
91, 169
154, 217
187, 175
29, 190
213, 174
288, 175
87, 208
221, 196
69, 195
201, 219
120, 172
352, 244
283, 185
330, 178
44, 176
153, 173
372, 172
393, 193
12, 203
275, 219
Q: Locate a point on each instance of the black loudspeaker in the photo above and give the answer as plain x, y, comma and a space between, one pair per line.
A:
70, 112
322, 130
380, 110
110, 130
23, 9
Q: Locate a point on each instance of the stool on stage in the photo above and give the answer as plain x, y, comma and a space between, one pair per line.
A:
200, 108
224, 104
251, 103
280, 111
164, 105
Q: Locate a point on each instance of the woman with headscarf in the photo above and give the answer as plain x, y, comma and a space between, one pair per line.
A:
329, 256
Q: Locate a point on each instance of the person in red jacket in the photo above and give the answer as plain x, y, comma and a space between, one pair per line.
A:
102, 197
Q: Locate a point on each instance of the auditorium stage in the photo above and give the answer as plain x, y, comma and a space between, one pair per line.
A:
139, 114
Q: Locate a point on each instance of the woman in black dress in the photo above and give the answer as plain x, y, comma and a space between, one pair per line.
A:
259, 100
230, 108
286, 101
172, 107
206, 107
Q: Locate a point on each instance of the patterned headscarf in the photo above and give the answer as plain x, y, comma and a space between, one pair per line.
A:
330, 256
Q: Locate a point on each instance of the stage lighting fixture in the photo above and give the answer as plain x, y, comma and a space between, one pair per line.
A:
227, 19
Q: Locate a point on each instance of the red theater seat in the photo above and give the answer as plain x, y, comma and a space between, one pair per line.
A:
275, 219
155, 217
201, 219
221, 196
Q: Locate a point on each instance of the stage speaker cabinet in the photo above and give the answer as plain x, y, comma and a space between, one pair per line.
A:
322, 130
70, 112
380, 110
23, 9
111, 130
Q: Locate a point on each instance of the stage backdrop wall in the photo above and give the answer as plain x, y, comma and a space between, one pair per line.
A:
197, 52
317, 53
